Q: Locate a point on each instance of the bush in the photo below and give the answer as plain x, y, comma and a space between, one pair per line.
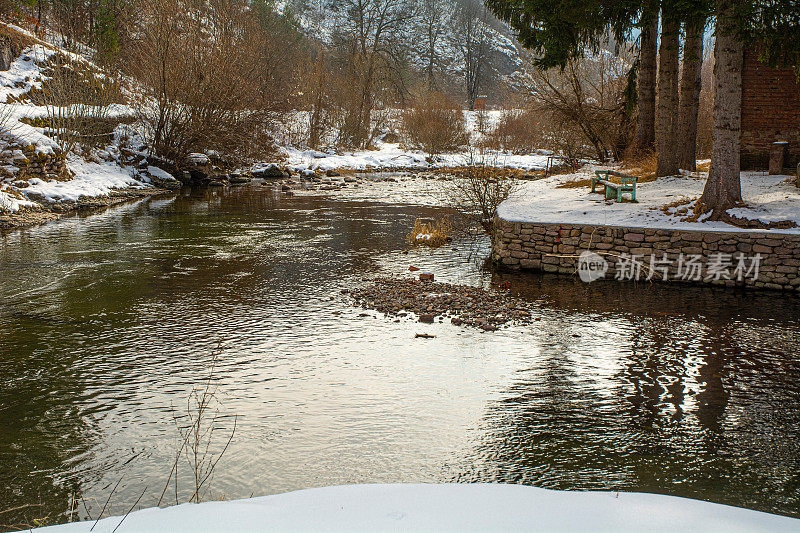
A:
519, 132
211, 78
434, 124
481, 187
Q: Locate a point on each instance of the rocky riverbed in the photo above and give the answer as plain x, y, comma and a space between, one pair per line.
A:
429, 302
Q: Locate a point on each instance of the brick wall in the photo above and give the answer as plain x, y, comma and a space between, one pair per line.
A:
770, 112
556, 248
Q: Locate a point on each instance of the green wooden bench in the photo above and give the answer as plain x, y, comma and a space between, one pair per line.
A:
614, 191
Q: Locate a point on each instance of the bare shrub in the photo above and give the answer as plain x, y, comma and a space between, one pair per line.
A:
77, 97
198, 427
569, 142
207, 78
480, 188
434, 124
6, 119
519, 132
318, 102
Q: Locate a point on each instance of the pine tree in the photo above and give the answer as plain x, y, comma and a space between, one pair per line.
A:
690, 92
667, 112
646, 86
773, 28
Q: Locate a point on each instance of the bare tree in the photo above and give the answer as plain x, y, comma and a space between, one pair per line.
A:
371, 40
586, 97
470, 36
431, 28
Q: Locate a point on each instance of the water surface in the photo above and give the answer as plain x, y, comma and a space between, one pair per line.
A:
108, 322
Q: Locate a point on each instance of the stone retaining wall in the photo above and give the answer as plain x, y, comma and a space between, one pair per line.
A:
658, 254
32, 164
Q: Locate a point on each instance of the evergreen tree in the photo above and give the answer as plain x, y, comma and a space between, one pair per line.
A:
559, 31
773, 28
646, 79
667, 112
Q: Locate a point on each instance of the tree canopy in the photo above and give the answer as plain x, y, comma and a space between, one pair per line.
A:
563, 30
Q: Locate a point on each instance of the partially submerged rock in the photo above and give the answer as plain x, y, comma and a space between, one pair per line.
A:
270, 171
238, 178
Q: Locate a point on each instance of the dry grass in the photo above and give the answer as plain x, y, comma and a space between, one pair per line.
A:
496, 172
578, 184
434, 234
575, 184
642, 166
679, 207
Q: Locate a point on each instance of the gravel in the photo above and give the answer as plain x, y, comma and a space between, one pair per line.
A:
464, 305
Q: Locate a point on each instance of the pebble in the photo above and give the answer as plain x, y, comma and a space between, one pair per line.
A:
464, 305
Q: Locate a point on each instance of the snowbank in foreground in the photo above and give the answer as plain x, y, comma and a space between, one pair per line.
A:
768, 199
389, 155
479, 507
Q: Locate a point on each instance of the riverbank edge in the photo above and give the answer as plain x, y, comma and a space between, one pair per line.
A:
45, 213
556, 248
444, 507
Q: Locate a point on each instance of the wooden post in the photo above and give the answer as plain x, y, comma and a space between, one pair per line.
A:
777, 156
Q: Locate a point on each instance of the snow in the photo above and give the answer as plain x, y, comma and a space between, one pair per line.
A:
91, 179
159, 173
24, 72
768, 199
444, 507
392, 155
9, 202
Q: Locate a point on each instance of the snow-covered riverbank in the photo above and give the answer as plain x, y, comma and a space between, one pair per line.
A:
445, 507
666, 203
393, 155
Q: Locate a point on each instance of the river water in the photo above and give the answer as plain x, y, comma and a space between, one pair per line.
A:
108, 322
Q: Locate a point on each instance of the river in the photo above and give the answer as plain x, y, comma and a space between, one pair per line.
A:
108, 322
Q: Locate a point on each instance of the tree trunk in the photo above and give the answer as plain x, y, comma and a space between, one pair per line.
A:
723, 188
690, 94
648, 67
6, 53
668, 61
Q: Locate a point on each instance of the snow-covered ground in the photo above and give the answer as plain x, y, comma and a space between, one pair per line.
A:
97, 176
390, 155
445, 507
91, 179
768, 199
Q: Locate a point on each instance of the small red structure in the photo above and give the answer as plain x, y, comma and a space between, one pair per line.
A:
480, 103
770, 115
